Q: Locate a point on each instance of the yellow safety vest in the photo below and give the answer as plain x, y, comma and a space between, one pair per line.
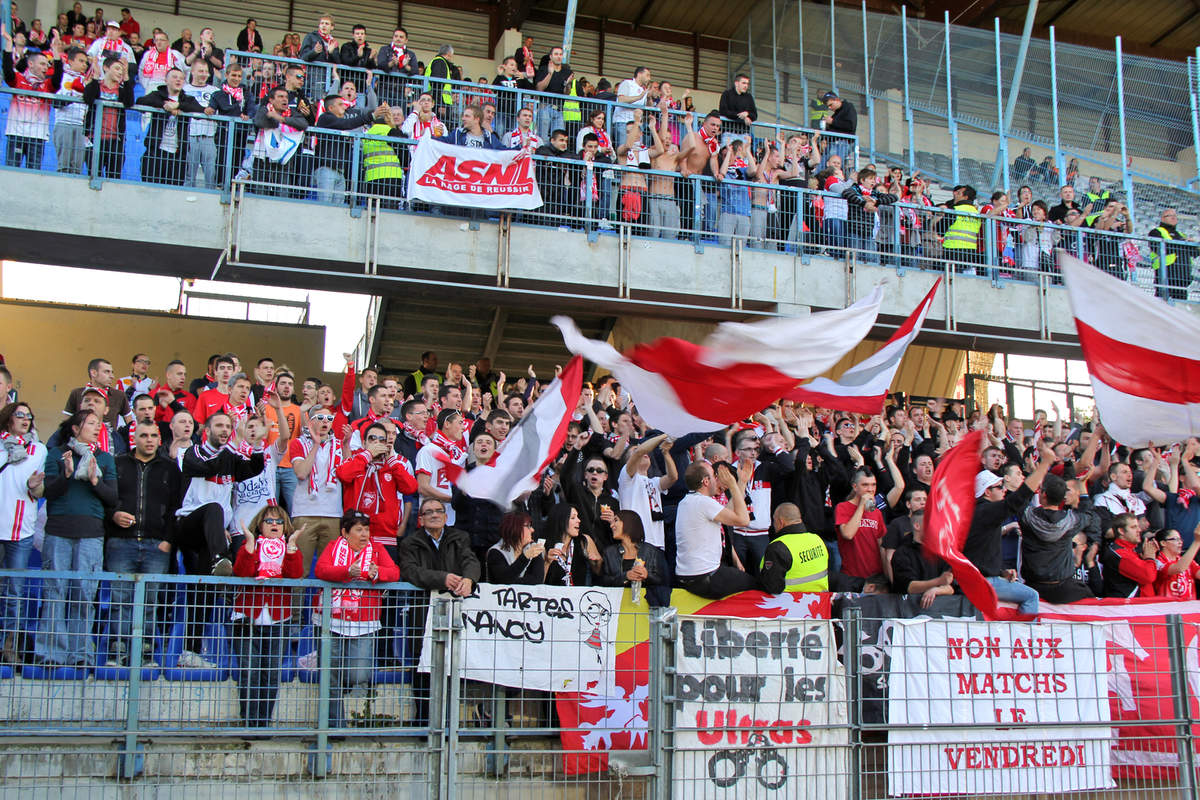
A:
810, 563
1092, 200
379, 159
447, 89
571, 110
1166, 235
963, 234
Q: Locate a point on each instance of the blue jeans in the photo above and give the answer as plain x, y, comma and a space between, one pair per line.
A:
16, 556
131, 555
26, 149
1024, 596
285, 479
69, 605
353, 659
835, 235
549, 119
866, 248
259, 650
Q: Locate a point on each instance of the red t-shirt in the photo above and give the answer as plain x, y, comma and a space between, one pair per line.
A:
1181, 586
209, 402
860, 555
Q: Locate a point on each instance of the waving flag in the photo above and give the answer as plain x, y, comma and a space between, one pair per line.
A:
530, 445
948, 520
681, 388
863, 388
1143, 356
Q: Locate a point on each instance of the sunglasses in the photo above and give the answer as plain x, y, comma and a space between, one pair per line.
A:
22, 415
376, 438
323, 417
272, 520
596, 471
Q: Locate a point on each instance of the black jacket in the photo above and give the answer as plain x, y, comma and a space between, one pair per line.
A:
426, 566
614, 569
1046, 550
91, 93
983, 540
349, 57
187, 105
479, 518
385, 59
588, 505
910, 563
226, 106
845, 120
335, 150
521, 572
733, 104
151, 492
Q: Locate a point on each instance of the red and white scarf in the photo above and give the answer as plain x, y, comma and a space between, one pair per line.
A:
456, 450
328, 40
235, 93
270, 557
527, 57
370, 494
419, 435
346, 601
335, 459
711, 142
602, 139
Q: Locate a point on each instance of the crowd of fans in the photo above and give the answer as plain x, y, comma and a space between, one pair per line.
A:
592, 141
259, 472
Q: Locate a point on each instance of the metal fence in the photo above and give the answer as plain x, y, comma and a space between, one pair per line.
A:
577, 692
1074, 104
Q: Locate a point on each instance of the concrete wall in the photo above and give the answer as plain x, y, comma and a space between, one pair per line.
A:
47, 346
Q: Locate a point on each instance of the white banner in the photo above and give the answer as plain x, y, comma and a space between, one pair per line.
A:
279, 144
946, 672
548, 638
756, 702
469, 176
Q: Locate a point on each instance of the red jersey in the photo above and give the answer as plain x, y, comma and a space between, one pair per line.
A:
860, 555
377, 490
209, 402
1181, 586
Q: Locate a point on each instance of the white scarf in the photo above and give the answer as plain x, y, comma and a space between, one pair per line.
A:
345, 601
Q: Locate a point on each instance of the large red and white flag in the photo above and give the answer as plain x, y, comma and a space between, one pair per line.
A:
530, 446
680, 387
468, 176
948, 514
1143, 356
863, 388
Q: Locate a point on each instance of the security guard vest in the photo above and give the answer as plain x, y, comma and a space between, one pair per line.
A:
963, 234
379, 159
447, 94
1096, 202
810, 563
1166, 235
571, 111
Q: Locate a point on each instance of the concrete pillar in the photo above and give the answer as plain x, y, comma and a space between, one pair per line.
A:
509, 43
46, 11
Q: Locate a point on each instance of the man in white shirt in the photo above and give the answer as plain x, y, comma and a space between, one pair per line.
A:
317, 501
447, 443
202, 146
1119, 497
524, 137
111, 42
634, 91
698, 535
641, 494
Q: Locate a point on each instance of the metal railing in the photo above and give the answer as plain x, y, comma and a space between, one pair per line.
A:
180, 680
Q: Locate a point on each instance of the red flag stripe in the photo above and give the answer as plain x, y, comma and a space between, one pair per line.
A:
854, 405
1139, 371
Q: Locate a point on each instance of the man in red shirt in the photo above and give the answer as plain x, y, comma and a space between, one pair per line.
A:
860, 531
210, 401
1177, 568
1128, 565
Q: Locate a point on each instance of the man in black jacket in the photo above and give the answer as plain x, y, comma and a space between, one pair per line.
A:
140, 531
231, 100
842, 119
335, 151
166, 139
1047, 533
994, 506
270, 167
737, 111
356, 52
554, 178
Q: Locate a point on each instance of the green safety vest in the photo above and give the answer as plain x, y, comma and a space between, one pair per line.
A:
963, 234
571, 111
1092, 200
447, 89
379, 159
1166, 235
810, 563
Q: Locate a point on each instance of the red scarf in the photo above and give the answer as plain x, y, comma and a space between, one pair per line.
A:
345, 601
234, 94
1185, 496
335, 458
270, 557
420, 436
328, 40
602, 138
104, 442
710, 142
455, 450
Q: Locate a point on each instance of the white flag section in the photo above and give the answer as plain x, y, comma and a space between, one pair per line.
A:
681, 387
470, 176
1142, 354
863, 388
946, 672
279, 144
761, 711
547, 638
530, 445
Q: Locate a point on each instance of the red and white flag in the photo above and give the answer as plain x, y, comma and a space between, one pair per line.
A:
470, 176
863, 388
1143, 356
948, 514
530, 445
680, 387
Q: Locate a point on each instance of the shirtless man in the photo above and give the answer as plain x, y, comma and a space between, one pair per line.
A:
763, 211
664, 211
632, 155
698, 156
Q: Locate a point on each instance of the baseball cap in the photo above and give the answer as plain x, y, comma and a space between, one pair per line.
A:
112, 23
985, 480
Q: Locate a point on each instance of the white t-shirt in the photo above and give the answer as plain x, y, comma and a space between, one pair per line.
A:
326, 501
697, 535
641, 495
620, 115
428, 463
201, 94
251, 495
